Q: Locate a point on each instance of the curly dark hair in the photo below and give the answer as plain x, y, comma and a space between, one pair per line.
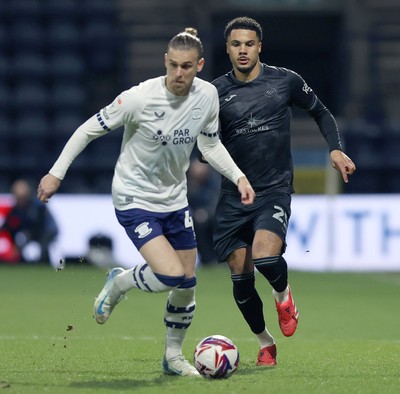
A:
245, 23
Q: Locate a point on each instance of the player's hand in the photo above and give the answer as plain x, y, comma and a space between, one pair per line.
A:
342, 163
246, 191
48, 186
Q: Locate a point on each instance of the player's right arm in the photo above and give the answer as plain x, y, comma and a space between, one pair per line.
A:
109, 118
48, 186
84, 134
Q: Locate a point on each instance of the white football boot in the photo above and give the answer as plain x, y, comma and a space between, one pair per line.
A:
179, 366
109, 296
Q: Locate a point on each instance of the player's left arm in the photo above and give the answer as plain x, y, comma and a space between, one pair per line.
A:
304, 97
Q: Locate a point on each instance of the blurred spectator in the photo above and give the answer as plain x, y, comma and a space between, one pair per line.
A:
30, 225
203, 188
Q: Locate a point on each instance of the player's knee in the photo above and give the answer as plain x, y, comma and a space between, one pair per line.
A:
243, 285
171, 280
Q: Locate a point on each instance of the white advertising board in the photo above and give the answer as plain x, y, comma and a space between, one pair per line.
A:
326, 233
344, 233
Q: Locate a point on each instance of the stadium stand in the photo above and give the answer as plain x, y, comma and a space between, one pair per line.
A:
54, 54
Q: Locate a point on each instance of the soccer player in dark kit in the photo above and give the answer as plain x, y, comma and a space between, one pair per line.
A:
255, 113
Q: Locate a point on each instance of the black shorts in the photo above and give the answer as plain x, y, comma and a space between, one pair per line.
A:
235, 224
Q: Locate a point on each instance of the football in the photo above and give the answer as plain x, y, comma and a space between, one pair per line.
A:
216, 357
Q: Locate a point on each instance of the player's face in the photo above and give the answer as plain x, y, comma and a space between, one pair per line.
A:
243, 48
182, 66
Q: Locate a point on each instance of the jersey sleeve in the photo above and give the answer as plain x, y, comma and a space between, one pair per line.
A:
120, 111
304, 97
219, 158
211, 125
301, 94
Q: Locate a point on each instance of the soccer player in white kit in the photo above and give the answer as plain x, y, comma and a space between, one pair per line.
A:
163, 118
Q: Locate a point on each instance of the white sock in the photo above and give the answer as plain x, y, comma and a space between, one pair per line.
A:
265, 338
178, 316
282, 296
174, 342
140, 277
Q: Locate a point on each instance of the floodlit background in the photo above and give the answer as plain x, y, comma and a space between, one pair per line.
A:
61, 61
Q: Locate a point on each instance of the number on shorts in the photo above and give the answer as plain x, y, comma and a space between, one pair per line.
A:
188, 220
280, 215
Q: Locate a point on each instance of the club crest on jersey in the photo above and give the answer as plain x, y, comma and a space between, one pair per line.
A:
196, 113
271, 92
143, 229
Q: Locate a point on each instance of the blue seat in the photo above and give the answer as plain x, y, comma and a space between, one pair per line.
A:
5, 125
6, 144
65, 9
31, 124
27, 34
29, 65
34, 159
25, 8
68, 96
101, 44
98, 8
64, 35
68, 65
5, 95
64, 123
3, 36
30, 96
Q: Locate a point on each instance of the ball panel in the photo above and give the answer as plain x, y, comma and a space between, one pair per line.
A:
216, 357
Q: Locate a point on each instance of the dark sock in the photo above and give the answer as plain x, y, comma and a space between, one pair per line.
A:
248, 301
275, 270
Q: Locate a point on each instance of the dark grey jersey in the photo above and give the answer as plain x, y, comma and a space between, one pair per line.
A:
255, 125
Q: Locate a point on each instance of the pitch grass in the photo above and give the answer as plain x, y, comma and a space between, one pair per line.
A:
348, 340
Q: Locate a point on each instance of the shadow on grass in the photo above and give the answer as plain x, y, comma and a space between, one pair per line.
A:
163, 380
122, 384
126, 384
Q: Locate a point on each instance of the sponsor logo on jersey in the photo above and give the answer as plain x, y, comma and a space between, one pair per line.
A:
182, 136
159, 136
252, 121
254, 125
159, 115
306, 88
179, 137
105, 113
230, 97
143, 230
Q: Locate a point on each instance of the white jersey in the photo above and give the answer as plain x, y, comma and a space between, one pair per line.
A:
160, 131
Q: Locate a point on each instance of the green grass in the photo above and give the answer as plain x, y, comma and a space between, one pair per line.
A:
348, 340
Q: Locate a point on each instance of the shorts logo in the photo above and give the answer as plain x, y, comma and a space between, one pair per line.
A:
143, 230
